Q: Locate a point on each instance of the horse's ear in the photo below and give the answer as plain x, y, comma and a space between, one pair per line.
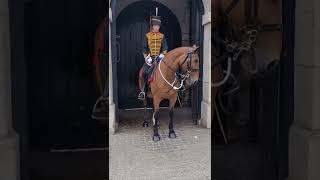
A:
195, 49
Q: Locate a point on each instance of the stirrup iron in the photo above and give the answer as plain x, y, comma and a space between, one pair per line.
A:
142, 96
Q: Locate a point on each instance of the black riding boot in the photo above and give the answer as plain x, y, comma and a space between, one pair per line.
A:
142, 94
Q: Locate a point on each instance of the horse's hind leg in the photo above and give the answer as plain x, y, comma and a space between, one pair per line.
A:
155, 118
145, 122
172, 134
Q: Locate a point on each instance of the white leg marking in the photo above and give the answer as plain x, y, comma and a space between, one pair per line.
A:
153, 120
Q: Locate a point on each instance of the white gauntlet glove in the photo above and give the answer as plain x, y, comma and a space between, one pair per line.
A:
149, 60
161, 56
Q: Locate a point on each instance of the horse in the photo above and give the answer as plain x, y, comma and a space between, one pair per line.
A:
179, 66
100, 71
235, 18
100, 46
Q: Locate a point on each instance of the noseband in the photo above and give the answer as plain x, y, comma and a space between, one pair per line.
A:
185, 74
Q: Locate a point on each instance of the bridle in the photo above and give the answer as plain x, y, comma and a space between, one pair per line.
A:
251, 28
179, 76
251, 15
230, 47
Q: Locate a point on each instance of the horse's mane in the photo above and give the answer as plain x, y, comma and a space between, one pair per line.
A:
173, 54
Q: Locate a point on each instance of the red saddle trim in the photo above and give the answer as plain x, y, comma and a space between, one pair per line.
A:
150, 79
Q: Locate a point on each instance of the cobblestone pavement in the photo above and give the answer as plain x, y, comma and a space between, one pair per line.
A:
134, 156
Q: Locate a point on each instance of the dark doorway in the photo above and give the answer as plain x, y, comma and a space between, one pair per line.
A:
196, 37
132, 25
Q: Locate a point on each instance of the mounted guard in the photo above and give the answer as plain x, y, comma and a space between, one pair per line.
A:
170, 72
154, 48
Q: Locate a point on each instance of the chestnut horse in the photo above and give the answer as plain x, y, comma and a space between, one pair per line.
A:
263, 15
100, 70
232, 15
98, 55
167, 81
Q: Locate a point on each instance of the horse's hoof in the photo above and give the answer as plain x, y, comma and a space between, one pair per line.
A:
145, 124
156, 137
172, 134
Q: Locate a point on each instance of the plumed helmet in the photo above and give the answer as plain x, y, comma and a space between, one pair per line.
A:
155, 20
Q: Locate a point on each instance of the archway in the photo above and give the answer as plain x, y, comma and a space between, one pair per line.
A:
197, 32
132, 25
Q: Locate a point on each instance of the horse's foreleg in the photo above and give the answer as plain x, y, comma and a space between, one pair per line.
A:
145, 122
172, 134
155, 119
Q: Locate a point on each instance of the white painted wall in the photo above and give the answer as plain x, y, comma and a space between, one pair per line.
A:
112, 109
206, 90
304, 149
9, 149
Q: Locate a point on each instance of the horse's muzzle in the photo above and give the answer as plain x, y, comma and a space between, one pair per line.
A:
195, 83
191, 82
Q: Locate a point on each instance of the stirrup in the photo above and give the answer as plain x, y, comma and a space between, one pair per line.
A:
142, 96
